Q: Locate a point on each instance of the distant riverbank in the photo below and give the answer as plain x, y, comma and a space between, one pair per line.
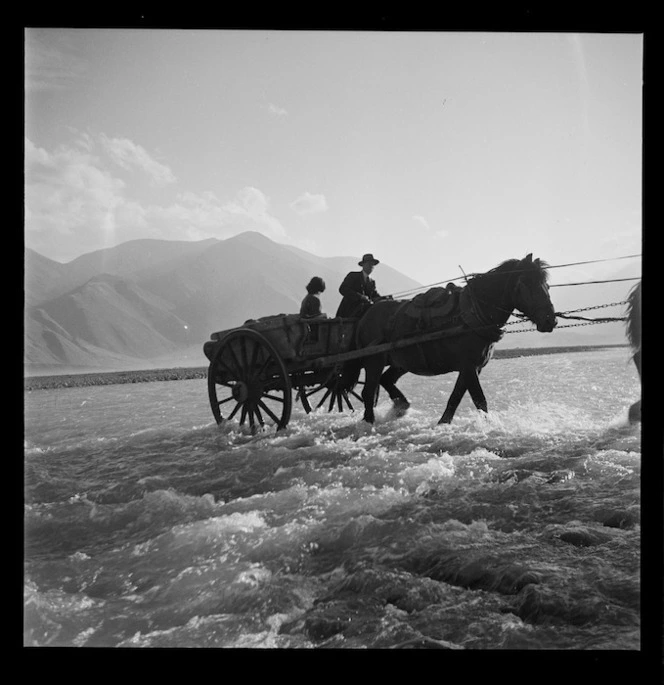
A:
184, 373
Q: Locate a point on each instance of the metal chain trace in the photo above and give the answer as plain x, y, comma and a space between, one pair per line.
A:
572, 311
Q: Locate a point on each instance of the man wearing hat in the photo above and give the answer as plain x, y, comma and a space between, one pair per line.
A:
358, 289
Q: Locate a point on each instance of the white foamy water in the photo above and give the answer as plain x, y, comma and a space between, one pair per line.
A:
147, 525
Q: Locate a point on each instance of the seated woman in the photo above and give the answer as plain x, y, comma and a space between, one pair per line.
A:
311, 307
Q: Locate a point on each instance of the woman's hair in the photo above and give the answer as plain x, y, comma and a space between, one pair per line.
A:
316, 285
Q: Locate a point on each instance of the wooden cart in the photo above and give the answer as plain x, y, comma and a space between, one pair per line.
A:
255, 368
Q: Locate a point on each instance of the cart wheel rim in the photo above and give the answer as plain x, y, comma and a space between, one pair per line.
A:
248, 380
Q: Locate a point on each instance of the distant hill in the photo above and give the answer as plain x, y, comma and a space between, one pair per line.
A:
44, 278
150, 302
107, 313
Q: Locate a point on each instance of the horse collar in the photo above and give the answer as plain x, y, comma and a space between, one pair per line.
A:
472, 316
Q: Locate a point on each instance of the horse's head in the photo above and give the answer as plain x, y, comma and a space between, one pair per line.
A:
531, 295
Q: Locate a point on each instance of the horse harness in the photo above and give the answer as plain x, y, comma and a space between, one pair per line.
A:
471, 314
456, 314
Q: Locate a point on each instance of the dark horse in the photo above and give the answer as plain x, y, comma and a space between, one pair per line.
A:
486, 302
633, 324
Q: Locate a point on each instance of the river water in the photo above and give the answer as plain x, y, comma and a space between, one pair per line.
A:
147, 525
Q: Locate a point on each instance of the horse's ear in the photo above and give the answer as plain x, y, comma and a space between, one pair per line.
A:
528, 259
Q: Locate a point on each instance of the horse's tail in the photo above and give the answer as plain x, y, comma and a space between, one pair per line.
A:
633, 322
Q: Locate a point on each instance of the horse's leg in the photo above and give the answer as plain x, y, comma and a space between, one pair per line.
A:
455, 398
372, 369
388, 381
475, 389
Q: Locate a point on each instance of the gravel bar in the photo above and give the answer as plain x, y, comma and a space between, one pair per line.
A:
79, 380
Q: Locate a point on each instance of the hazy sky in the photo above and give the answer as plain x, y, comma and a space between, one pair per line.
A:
431, 150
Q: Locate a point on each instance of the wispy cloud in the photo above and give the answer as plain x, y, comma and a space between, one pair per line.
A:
75, 201
253, 204
440, 233
192, 216
130, 155
195, 216
276, 110
308, 203
421, 220
68, 196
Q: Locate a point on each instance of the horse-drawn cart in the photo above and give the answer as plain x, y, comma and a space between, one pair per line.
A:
255, 368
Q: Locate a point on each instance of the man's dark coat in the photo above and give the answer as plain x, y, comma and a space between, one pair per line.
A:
352, 288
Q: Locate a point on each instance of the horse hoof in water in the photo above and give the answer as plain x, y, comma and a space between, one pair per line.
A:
400, 406
634, 413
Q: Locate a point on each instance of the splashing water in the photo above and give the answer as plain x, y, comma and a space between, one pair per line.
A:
147, 525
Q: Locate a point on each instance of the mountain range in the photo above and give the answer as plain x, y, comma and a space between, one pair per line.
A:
153, 303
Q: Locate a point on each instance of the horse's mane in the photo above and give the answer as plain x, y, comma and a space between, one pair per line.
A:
536, 270
633, 322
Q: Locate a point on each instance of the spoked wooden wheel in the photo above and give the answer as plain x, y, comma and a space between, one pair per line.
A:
247, 379
336, 393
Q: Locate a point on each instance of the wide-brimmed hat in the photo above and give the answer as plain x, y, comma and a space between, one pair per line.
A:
368, 258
